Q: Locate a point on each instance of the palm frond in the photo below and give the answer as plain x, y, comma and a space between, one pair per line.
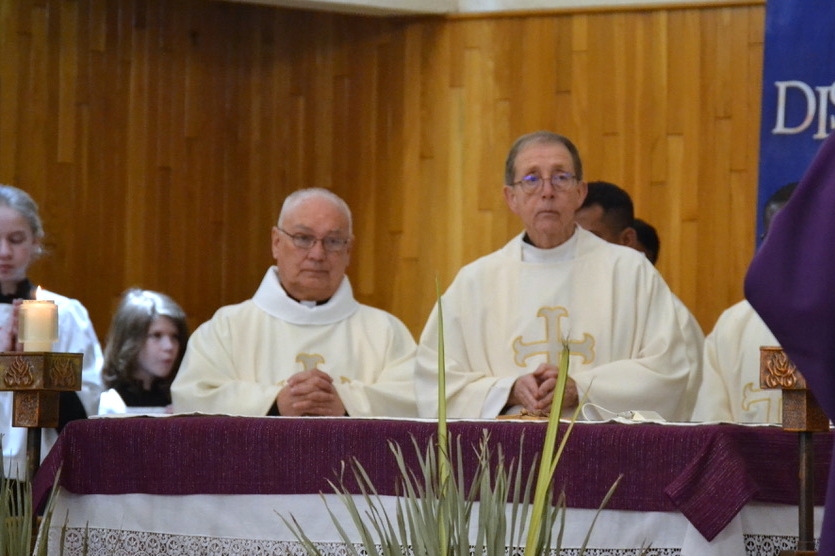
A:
443, 444
436, 505
548, 460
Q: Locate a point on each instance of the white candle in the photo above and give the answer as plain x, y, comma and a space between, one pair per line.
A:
38, 325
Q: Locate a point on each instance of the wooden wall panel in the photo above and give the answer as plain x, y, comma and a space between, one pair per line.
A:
160, 137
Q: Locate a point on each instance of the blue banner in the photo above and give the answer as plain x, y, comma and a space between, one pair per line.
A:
798, 99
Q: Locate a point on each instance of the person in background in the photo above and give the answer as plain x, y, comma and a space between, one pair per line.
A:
508, 315
791, 284
731, 389
648, 241
608, 213
144, 349
302, 345
21, 243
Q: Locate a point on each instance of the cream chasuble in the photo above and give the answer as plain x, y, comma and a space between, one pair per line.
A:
730, 390
694, 341
239, 360
503, 317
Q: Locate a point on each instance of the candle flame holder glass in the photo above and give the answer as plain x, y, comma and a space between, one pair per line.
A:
38, 326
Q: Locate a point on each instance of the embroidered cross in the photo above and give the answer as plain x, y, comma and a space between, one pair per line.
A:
752, 396
552, 344
309, 361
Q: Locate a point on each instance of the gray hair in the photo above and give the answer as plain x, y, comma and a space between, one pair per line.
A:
547, 137
19, 200
296, 198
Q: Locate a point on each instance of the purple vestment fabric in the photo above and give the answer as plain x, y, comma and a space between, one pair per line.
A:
791, 284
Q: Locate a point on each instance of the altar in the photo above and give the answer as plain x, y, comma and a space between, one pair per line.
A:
220, 484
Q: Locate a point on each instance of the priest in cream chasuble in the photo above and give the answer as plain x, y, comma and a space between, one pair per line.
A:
731, 389
506, 315
302, 345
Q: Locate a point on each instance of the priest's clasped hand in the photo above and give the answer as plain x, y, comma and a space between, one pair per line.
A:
535, 391
310, 392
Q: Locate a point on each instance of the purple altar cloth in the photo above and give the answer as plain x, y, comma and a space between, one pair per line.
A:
707, 472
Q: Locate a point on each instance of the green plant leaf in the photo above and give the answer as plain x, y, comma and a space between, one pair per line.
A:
443, 443
548, 461
435, 506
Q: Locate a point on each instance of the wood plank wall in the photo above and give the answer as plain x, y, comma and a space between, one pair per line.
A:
160, 137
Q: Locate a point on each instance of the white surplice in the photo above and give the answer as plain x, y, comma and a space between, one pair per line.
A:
730, 390
238, 361
507, 312
75, 335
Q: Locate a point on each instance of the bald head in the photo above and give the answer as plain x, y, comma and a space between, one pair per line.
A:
293, 200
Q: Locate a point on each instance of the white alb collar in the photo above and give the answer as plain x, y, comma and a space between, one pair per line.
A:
565, 251
273, 300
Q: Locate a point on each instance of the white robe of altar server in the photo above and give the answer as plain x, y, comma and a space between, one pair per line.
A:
507, 313
75, 335
238, 361
730, 388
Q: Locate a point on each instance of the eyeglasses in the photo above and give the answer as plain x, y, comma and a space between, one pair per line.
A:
560, 181
306, 241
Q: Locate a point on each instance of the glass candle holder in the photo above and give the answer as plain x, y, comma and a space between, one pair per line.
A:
38, 325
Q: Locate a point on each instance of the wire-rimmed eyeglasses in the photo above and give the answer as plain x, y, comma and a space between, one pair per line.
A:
560, 181
307, 241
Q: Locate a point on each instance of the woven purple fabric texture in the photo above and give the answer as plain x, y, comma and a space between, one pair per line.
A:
708, 472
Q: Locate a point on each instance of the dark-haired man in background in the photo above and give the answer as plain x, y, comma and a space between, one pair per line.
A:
648, 241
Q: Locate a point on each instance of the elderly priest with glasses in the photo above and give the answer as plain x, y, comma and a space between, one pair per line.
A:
302, 345
507, 316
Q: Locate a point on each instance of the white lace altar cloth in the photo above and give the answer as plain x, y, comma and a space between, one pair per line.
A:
134, 524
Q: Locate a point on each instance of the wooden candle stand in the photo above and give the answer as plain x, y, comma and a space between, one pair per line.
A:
37, 379
801, 414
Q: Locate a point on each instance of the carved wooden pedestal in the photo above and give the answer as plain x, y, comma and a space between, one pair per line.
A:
37, 378
801, 414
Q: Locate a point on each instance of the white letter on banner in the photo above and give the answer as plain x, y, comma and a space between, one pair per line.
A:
780, 127
826, 95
